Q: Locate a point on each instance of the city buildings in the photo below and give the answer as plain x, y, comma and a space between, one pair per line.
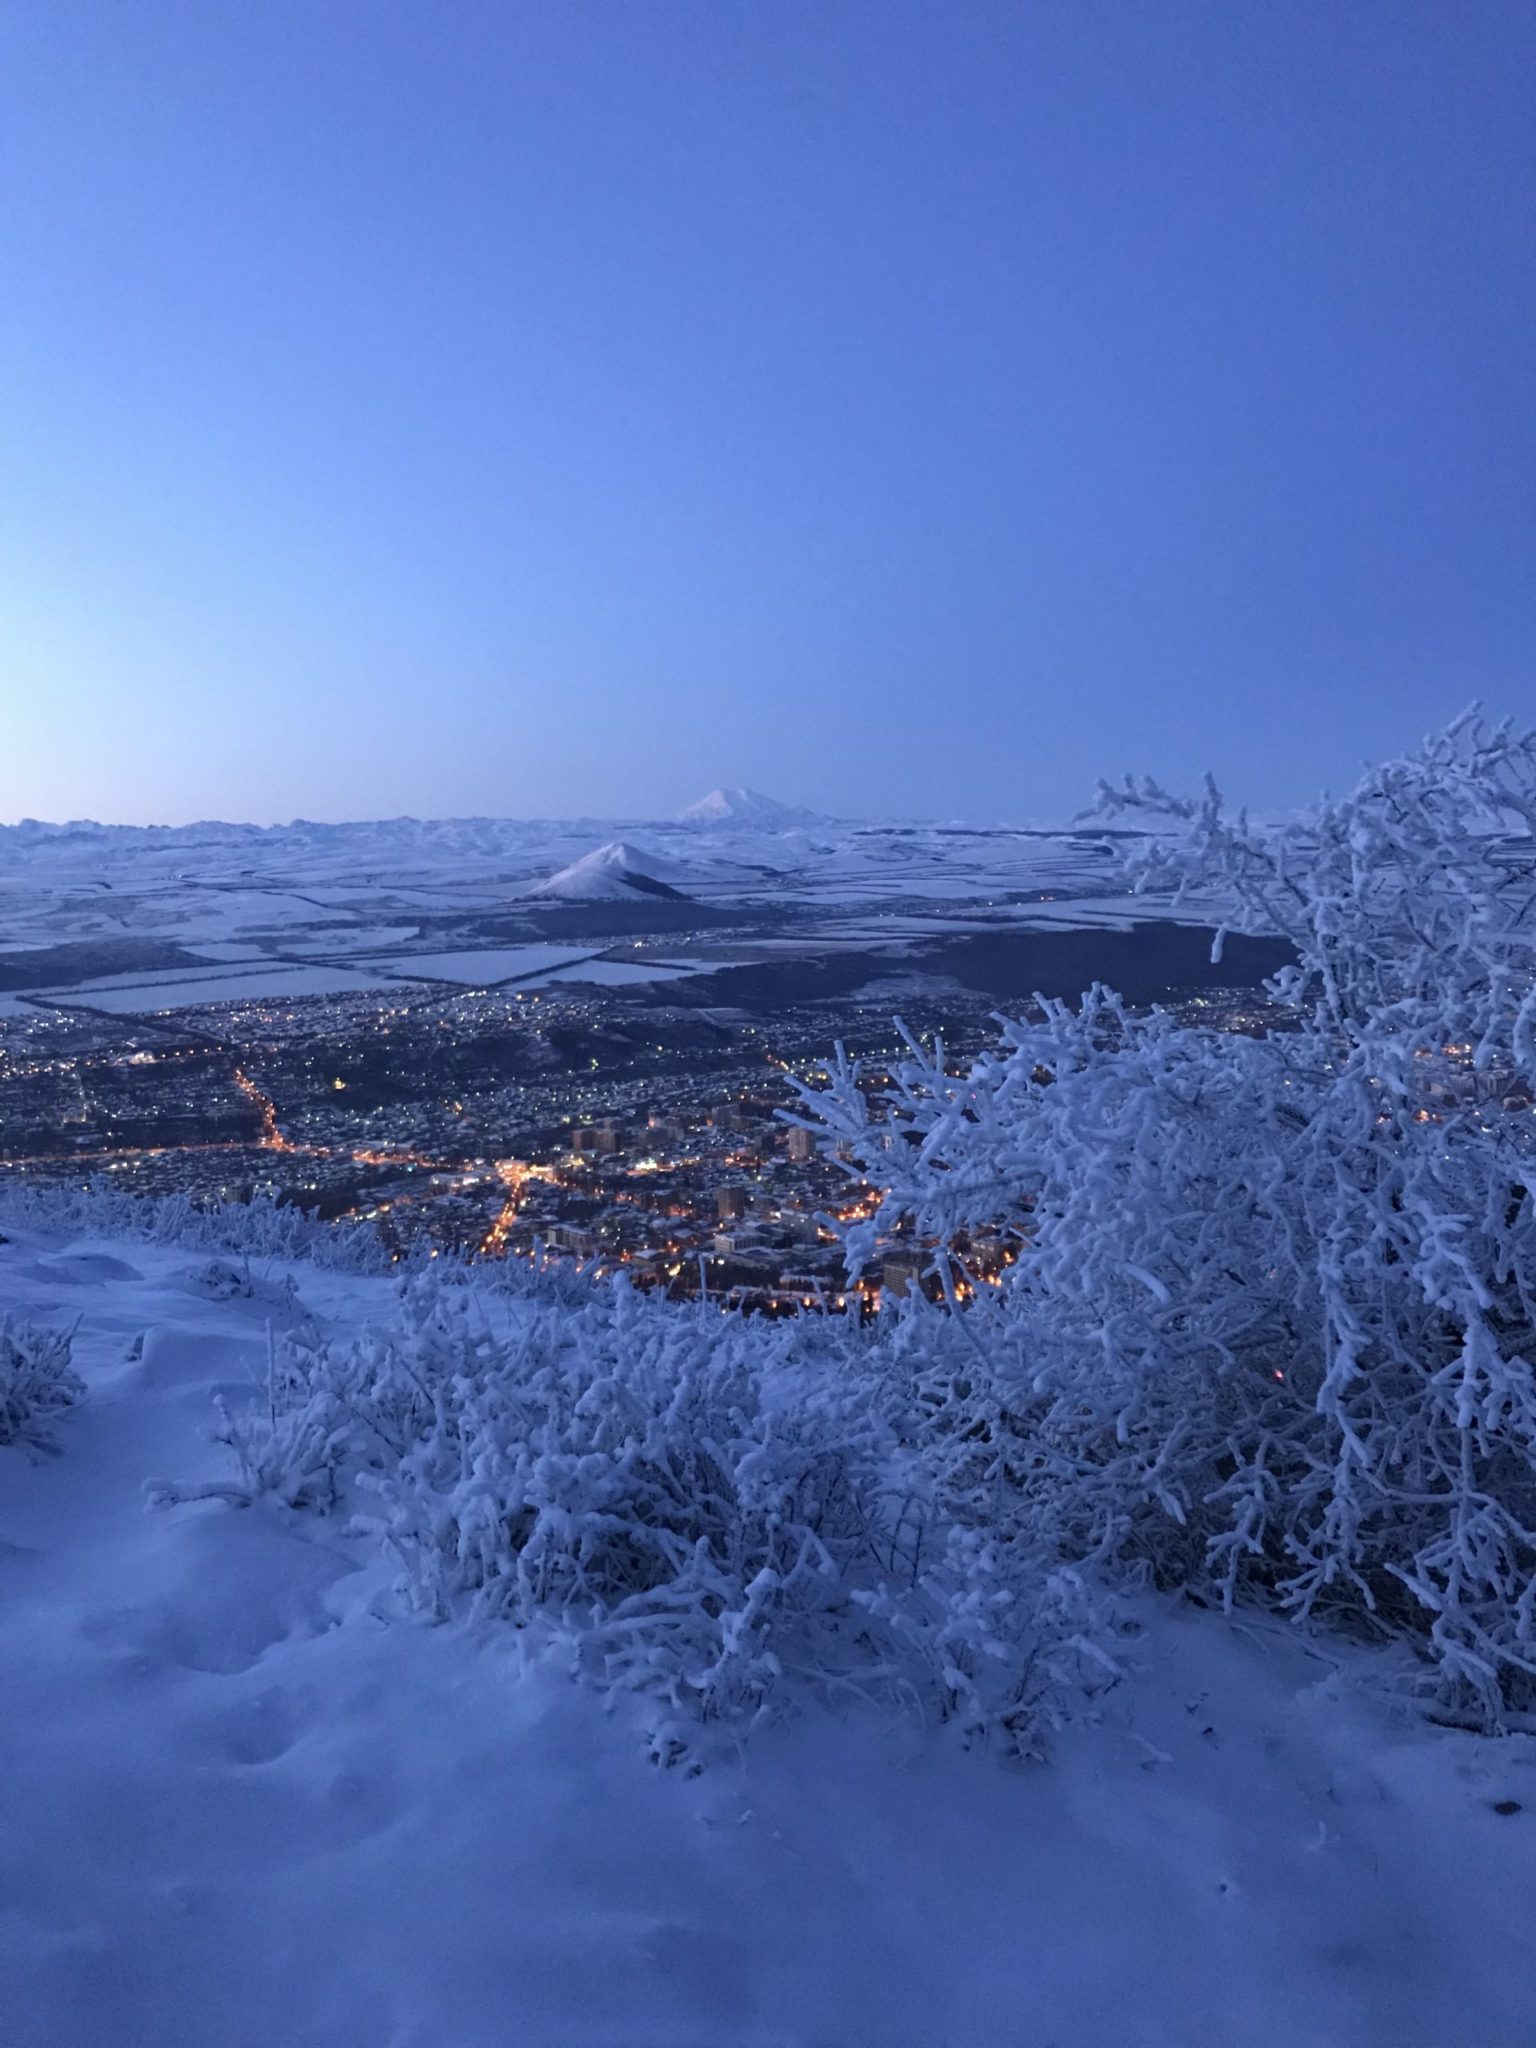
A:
642, 1139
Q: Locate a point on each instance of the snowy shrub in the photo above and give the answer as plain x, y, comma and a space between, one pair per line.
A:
291, 1444
712, 1511
695, 1504
221, 1281
1271, 1321
258, 1229
36, 1380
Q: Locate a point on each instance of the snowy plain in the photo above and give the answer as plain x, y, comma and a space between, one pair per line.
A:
127, 919
146, 921
247, 1803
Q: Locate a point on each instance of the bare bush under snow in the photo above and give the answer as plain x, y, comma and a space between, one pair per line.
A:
263, 1228
1273, 1322
37, 1381
709, 1510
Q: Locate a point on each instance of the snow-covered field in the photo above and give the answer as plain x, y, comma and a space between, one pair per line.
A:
134, 995
468, 901
483, 968
246, 1803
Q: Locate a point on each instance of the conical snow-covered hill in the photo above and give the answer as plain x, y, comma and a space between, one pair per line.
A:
611, 874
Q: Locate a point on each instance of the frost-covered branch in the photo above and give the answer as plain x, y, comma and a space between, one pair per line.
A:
37, 1381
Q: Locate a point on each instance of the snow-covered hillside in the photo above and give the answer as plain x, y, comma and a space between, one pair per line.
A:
248, 1802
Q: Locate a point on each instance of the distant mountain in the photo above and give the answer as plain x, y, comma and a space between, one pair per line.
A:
747, 807
612, 874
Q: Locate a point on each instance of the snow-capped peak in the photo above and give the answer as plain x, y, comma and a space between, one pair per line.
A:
745, 807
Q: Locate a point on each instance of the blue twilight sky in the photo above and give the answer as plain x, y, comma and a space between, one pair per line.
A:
899, 405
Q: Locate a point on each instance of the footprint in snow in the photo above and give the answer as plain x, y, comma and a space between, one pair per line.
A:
252, 1731
226, 1642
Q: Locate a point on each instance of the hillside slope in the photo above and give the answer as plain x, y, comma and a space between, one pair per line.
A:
246, 1803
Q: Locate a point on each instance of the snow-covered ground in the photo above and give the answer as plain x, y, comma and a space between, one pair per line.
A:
227, 891
246, 1804
136, 995
139, 921
486, 966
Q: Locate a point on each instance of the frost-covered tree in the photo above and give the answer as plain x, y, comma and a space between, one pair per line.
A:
1271, 1322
